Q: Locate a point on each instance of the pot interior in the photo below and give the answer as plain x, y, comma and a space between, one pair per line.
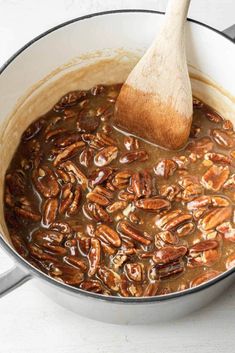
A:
102, 49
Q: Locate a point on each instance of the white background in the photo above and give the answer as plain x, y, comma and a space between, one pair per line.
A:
31, 323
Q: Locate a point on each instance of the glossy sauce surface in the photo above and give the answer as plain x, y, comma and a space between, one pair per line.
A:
107, 212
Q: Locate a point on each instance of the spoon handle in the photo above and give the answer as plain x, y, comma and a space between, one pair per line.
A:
176, 14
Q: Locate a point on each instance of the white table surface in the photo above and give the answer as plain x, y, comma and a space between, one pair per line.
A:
30, 322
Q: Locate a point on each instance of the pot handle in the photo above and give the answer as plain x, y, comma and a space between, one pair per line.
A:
12, 279
230, 32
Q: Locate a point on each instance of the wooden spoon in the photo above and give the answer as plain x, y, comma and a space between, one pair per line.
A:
155, 102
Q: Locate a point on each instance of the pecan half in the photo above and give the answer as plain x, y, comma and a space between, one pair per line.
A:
154, 204
165, 168
68, 152
50, 209
215, 177
110, 278
135, 271
130, 157
135, 234
218, 158
94, 256
222, 138
70, 167
204, 278
96, 212
141, 183
45, 182
106, 156
108, 235
168, 254
215, 217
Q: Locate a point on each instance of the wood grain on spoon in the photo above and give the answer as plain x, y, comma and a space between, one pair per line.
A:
155, 102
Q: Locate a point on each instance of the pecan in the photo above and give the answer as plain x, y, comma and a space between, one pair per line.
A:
131, 143
182, 162
53, 248
214, 117
133, 233
203, 246
84, 245
230, 183
98, 141
38, 253
63, 177
227, 230
61, 227
232, 154
154, 204
33, 130
170, 191
106, 156
19, 244
70, 275
117, 206
125, 196
108, 249
215, 177
50, 209
92, 286
94, 256
87, 120
47, 235
76, 262
222, 138
27, 213
119, 259
16, 182
96, 212
141, 183
108, 235
70, 199
185, 229
201, 146
169, 254
69, 100
110, 278
151, 289
230, 262
69, 166
100, 196
99, 176
86, 157
219, 201
169, 269
204, 278
67, 139
199, 202
129, 157
218, 158
173, 220
165, 168
135, 271
227, 125
166, 237
121, 179
68, 152
45, 182
51, 134
215, 217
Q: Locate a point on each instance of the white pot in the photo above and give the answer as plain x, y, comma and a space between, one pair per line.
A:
56, 62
